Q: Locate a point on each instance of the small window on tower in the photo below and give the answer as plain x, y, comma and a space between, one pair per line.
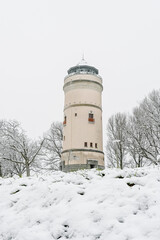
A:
85, 144
63, 138
95, 145
91, 117
75, 114
91, 144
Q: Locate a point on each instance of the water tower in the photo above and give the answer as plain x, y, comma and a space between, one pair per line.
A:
82, 132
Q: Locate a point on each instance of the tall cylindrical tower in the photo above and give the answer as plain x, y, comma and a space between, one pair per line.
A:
82, 133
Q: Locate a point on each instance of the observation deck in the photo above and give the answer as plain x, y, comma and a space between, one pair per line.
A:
83, 69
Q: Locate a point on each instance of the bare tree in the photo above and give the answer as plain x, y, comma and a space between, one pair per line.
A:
17, 148
135, 140
6, 167
116, 143
149, 123
53, 145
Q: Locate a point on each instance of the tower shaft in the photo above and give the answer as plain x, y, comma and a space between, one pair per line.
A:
82, 133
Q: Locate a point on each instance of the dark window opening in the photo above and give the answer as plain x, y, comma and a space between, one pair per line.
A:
65, 120
91, 117
64, 138
75, 114
95, 145
92, 166
91, 144
85, 144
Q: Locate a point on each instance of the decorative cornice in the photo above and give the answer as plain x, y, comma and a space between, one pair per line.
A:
80, 81
84, 105
82, 150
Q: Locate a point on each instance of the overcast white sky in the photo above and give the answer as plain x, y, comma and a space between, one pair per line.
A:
40, 40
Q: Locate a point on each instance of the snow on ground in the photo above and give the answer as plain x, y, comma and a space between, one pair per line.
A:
84, 205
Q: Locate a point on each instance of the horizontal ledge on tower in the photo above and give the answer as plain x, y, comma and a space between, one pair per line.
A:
82, 104
82, 150
81, 80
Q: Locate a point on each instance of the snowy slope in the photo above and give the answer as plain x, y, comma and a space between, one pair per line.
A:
87, 205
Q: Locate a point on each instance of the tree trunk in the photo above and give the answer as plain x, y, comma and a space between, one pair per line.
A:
121, 158
27, 169
139, 161
121, 163
0, 170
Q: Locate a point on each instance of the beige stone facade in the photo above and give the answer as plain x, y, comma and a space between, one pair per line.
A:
82, 133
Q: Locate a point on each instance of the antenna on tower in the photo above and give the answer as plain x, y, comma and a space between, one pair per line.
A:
83, 57
83, 61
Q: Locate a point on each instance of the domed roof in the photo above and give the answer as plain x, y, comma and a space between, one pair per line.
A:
83, 67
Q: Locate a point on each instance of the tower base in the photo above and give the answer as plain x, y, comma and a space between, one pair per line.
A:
77, 159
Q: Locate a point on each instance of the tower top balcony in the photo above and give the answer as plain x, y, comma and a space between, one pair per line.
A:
83, 68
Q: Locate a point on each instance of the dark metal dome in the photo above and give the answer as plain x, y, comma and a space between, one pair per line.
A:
83, 69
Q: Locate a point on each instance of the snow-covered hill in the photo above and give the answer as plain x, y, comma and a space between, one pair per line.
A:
84, 205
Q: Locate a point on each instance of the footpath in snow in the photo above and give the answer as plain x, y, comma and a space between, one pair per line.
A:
84, 205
